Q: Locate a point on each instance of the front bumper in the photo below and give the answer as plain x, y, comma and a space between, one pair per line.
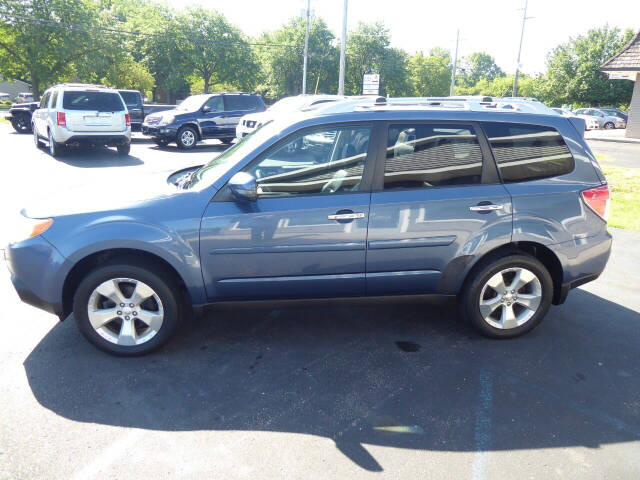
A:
34, 265
165, 132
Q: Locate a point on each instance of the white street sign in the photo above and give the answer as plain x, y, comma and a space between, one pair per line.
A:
371, 84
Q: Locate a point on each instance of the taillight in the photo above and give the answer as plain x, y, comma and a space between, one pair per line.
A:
61, 119
597, 199
127, 119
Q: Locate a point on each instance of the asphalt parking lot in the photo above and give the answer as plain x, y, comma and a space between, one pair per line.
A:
389, 390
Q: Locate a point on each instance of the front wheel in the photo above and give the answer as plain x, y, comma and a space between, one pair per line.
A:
125, 309
609, 126
507, 297
21, 123
187, 138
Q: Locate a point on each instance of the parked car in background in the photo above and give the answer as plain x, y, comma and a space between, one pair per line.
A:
250, 122
592, 122
5, 97
604, 120
24, 97
505, 209
138, 110
20, 116
213, 115
73, 114
616, 112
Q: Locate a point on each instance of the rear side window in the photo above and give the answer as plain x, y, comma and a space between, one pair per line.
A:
131, 99
431, 155
240, 102
93, 101
528, 152
54, 99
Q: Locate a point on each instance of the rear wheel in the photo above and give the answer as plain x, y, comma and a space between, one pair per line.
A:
507, 297
227, 141
124, 150
127, 310
187, 138
36, 137
55, 149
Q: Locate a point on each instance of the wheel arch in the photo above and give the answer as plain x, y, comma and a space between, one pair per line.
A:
537, 250
105, 257
193, 125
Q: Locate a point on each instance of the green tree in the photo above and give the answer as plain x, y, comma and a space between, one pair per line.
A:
40, 42
479, 66
368, 48
573, 74
430, 74
215, 50
281, 57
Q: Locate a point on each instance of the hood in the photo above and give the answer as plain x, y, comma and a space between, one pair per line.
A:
25, 106
109, 194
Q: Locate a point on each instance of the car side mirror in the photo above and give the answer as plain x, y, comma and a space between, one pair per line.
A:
206, 109
243, 187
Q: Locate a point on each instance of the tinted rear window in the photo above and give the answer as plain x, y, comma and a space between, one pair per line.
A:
131, 98
92, 101
240, 102
528, 152
432, 155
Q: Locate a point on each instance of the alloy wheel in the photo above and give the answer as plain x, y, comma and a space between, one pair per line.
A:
187, 138
510, 298
125, 311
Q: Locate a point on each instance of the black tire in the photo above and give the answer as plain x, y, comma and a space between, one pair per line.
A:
227, 141
36, 137
55, 149
472, 289
609, 126
21, 123
156, 278
161, 143
187, 138
123, 150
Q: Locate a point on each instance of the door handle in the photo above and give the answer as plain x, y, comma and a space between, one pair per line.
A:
486, 208
346, 216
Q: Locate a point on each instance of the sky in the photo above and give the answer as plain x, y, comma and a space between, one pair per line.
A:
491, 26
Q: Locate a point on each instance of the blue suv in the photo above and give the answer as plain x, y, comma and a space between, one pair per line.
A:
201, 116
502, 208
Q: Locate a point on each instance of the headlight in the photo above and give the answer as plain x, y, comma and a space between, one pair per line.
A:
166, 120
25, 228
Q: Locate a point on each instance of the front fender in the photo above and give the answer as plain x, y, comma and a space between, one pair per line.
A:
181, 252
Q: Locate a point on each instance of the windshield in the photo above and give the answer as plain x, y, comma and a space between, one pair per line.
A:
223, 163
193, 103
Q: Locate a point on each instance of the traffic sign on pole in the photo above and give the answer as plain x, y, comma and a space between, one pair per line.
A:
371, 84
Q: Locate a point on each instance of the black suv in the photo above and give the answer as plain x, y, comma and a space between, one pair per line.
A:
198, 117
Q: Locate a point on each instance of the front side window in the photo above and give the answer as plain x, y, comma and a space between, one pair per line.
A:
528, 152
431, 155
326, 160
215, 104
92, 101
45, 100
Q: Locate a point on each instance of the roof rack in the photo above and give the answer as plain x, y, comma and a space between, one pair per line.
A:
91, 85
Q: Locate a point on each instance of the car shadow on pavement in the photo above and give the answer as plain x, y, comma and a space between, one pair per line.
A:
398, 375
97, 158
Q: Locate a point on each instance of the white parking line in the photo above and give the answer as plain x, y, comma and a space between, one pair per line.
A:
483, 424
109, 455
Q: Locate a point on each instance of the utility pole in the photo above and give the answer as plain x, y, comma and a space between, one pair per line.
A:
343, 48
455, 65
515, 79
306, 50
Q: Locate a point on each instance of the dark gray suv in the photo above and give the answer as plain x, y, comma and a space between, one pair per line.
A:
499, 203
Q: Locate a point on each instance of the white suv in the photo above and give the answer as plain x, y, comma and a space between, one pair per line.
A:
77, 114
